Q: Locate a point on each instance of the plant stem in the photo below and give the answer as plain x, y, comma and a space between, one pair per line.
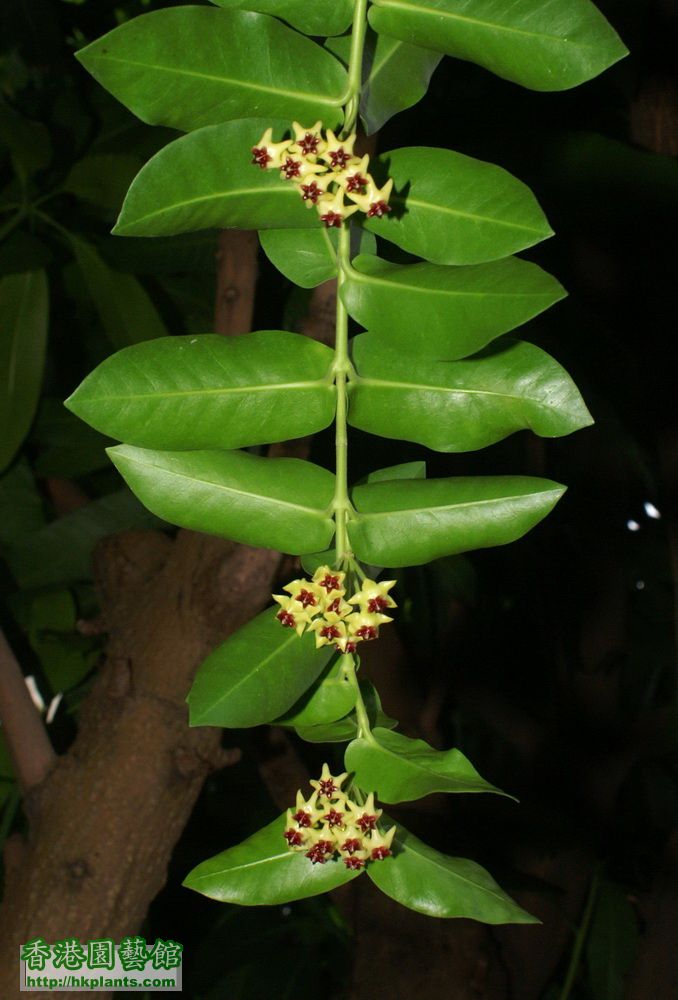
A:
341, 503
364, 727
355, 66
12, 223
580, 937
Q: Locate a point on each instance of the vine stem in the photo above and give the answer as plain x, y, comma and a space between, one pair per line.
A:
364, 727
580, 937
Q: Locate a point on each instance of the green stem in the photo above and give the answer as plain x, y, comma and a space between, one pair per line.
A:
580, 937
341, 504
364, 727
355, 66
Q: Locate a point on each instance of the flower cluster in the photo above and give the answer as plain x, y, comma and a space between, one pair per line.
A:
330, 823
326, 172
319, 605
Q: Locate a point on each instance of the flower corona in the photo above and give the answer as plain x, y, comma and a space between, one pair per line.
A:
326, 171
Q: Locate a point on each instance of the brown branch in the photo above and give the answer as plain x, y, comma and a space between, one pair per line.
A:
29, 745
236, 281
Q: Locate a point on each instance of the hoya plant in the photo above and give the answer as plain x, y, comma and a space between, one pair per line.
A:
422, 244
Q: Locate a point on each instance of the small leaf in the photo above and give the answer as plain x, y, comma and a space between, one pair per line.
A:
256, 675
186, 67
102, 178
24, 314
28, 141
126, 312
423, 879
277, 503
550, 46
346, 729
463, 405
181, 393
331, 697
263, 871
411, 522
426, 310
321, 18
452, 209
206, 180
309, 256
398, 769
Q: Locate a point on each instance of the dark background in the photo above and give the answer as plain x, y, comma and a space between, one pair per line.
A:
550, 663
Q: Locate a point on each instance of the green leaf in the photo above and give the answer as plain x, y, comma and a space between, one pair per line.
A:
256, 675
411, 522
323, 17
426, 310
180, 393
61, 551
263, 871
343, 730
463, 405
550, 46
398, 769
126, 312
206, 180
186, 67
407, 470
24, 314
20, 505
28, 141
309, 256
330, 698
395, 75
612, 943
277, 503
67, 446
423, 879
452, 209
102, 178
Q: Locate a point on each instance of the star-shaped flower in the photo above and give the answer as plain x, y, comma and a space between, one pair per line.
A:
328, 786
292, 613
339, 152
374, 597
365, 626
374, 202
268, 154
308, 142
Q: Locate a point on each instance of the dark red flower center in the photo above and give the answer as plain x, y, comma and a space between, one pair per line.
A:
293, 838
320, 852
261, 157
376, 604
379, 853
351, 845
366, 822
355, 863
350, 647
310, 192
327, 787
302, 817
339, 158
291, 168
332, 220
334, 606
305, 597
330, 582
367, 632
356, 182
378, 208
334, 818
330, 632
309, 144
286, 619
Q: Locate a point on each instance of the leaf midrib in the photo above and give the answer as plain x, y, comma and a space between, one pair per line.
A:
369, 278
416, 387
409, 202
160, 396
212, 196
450, 506
244, 84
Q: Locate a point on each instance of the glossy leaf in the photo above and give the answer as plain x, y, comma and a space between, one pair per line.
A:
426, 310
343, 730
544, 46
407, 470
277, 503
187, 67
126, 312
423, 879
463, 405
330, 698
206, 180
411, 522
399, 769
210, 392
257, 674
395, 75
452, 209
323, 17
309, 256
24, 314
263, 871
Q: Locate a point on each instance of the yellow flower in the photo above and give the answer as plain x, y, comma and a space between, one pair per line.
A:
374, 597
355, 178
380, 844
292, 613
332, 209
365, 626
267, 154
309, 594
331, 580
339, 152
375, 200
328, 786
365, 817
308, 141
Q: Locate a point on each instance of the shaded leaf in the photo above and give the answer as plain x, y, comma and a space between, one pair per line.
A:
186, 67
181, 393
257, 674
263, 871
544, 46
343, 730
323, 17
452, 209
24, 314
445, 312
102, 178
611, 943
410, 522
330, 698
309, 256
463, 405
277, 503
